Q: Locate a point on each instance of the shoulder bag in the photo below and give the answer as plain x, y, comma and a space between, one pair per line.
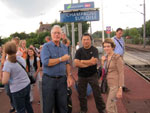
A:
32, 79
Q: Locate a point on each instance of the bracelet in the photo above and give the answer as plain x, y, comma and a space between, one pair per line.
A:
60, 59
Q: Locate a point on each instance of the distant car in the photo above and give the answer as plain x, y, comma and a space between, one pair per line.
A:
100, 49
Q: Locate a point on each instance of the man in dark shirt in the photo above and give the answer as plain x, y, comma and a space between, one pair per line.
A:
86, 60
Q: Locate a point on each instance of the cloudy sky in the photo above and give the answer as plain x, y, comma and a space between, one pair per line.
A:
25, 15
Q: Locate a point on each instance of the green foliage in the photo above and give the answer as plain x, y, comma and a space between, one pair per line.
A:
98, 34
21, 35
135, 35
34, 38
37, 39
148, 28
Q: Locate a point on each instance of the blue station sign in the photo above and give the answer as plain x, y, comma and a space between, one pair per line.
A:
79, 16
79, 6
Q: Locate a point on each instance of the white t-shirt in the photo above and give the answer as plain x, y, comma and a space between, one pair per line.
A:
18, 77
32, 69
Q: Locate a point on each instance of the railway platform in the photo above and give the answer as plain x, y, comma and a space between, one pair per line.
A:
137, 100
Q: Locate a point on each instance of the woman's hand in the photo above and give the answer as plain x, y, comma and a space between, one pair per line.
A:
103, 58
119, 93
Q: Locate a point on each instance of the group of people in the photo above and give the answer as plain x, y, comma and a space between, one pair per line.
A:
55, 72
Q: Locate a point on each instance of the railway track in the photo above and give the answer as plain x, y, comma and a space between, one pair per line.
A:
139, 62
142, 70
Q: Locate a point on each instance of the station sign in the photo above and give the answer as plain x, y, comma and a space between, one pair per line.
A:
108, 29
80, 16
79, 6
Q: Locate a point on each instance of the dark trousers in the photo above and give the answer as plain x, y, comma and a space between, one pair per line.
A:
82, 87
7, 89
54, 92
21, 100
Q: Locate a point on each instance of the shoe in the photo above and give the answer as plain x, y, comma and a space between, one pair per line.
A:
125, 89
12, 110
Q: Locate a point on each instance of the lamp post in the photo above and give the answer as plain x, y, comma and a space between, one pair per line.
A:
103, 36
73, 38
144, 17
144, 29
79, 31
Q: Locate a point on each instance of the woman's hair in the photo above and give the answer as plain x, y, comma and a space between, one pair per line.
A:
110, 41
11, 49
35, 60
21, 41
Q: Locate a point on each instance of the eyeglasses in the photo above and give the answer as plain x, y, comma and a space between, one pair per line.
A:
56, 33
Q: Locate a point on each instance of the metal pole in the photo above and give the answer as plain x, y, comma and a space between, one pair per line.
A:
79, 31
73, 38
103, 36
91, 32
144, 29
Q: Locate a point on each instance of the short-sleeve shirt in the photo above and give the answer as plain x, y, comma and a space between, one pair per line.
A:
18, 77
87, 54
119, 49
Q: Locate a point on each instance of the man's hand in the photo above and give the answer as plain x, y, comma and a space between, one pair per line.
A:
70, 81
93, 60
65, 58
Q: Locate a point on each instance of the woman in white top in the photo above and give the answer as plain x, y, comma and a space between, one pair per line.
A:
15, 75
33, 67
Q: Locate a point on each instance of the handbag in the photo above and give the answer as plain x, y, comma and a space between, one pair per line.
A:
104, 85
32, 79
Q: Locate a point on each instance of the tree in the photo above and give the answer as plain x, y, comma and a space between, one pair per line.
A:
21, 35
135, 35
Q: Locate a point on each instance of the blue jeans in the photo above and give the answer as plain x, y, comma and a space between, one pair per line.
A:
54, 92
7, 89
21, 100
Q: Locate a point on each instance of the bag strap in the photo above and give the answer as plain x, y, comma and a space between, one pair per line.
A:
119, 43
22, 66
107, 67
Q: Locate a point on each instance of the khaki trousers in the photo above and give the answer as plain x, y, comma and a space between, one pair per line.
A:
111, 106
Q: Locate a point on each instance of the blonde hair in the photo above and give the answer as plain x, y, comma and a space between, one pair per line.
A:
21, 41
11, 49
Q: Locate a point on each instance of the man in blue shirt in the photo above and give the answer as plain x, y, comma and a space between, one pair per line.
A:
119, 41
120, 47
54, 56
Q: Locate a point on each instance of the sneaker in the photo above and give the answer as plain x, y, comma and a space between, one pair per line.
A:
12, 110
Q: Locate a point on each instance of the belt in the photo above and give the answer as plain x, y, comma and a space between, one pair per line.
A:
54, 77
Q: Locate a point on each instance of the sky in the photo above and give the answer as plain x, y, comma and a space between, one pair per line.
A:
25, 15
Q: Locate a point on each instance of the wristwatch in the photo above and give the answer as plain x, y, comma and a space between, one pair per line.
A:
59, 59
